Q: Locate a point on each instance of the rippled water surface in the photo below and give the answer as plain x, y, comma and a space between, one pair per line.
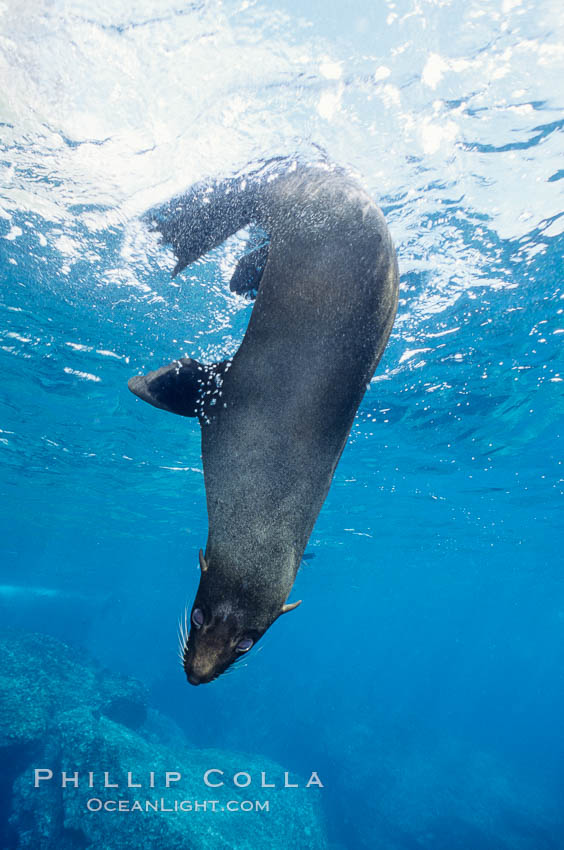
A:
434, 605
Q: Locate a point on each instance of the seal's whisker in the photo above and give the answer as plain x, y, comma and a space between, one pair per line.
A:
183, 628
181, 639
182, 634
237, 665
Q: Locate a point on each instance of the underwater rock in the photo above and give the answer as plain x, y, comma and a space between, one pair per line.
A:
41, 677
75, 817
60, 715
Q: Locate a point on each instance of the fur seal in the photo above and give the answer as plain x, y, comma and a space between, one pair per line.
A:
274, 419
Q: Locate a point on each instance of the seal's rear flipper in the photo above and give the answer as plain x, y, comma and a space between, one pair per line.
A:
203, 218
186, 387
248, 272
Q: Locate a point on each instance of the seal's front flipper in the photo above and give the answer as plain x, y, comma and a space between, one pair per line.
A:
186, 387
248, 272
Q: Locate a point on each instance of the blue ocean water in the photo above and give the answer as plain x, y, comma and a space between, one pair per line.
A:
423, 674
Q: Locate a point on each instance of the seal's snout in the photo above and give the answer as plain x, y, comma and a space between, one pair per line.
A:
199, 673
196, 677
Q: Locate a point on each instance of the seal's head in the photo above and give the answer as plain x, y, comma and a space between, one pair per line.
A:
223, 627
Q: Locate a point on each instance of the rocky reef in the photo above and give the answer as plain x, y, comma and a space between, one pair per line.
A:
111, 759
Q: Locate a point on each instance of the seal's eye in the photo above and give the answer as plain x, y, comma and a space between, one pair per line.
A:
244, 645
198, 617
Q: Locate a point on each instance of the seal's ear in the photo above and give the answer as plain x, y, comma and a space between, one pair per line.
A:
184, 387
203, 562
287, 608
